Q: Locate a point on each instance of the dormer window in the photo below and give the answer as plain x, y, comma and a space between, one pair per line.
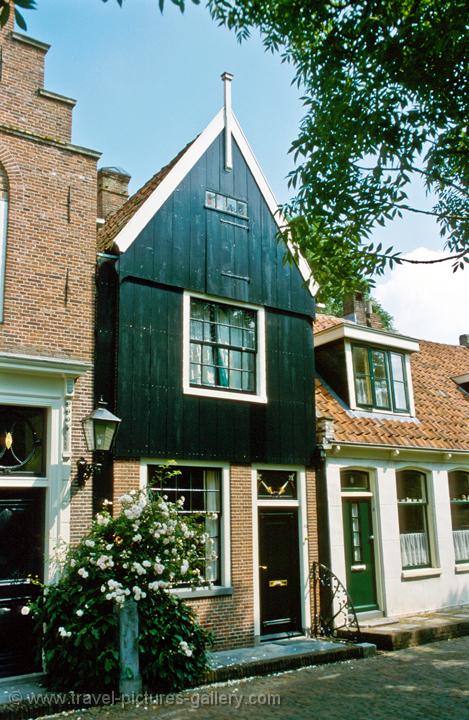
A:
380, 379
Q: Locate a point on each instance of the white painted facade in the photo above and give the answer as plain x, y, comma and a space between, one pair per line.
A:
48, 384
401, 592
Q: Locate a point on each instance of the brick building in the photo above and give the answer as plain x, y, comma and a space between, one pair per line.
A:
47, 267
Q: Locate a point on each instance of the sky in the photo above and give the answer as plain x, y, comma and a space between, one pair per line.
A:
147, 83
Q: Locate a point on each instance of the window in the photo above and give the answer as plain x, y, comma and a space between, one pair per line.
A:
22, 440
3, 232
459, 498
413, 519
276, 484
224, 350
201, 489
223, 203
380, 379
354, 480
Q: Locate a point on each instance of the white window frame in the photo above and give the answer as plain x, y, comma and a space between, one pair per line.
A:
3, 247
377, 411
225, 521
260, 396
300, 503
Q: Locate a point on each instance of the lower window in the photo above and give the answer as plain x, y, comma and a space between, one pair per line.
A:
413, 519
459, 498
201, 489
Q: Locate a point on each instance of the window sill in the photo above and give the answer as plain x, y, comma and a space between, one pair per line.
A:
188, 594
419, 573
225, 395
461, 567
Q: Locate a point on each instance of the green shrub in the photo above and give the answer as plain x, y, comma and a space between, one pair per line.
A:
146, 550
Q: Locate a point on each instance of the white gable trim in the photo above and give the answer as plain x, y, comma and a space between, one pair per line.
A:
168, 185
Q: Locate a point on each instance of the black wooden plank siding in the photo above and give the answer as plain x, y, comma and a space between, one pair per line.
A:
160, 421
187, 247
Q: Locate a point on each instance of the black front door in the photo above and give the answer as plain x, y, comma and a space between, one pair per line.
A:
279, 571
21, 557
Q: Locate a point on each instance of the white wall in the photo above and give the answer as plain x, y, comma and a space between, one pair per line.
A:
399, 592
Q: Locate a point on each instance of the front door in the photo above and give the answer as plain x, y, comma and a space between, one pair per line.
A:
279, 571
359, 552
21, 557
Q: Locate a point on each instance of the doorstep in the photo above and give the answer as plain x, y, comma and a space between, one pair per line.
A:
281, 655
407, 631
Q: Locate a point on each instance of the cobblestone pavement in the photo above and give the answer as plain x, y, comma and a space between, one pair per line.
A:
430, 681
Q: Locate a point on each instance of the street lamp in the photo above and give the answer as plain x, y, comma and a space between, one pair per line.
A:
100, 430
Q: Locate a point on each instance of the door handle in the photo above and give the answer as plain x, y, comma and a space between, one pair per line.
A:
372, 537
5, 610
262, 567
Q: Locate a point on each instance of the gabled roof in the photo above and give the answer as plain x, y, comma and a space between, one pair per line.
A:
123, 227
441, 407
118, 220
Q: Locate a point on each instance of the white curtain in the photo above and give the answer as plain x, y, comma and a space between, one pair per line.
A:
461, 544
414, 550
212, 487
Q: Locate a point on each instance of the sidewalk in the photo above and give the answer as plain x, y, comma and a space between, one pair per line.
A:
22, 698
404, 632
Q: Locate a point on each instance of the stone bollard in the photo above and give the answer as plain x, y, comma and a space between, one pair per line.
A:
130, 680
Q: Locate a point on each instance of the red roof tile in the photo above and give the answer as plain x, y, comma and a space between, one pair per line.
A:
121, 217
441, 407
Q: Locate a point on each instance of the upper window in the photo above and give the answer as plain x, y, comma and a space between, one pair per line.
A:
3, 232
459, 497
380, 379
226, 204
225, 350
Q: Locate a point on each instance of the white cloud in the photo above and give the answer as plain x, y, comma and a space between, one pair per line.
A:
427, 301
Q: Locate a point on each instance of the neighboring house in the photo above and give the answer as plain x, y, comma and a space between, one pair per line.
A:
393, 424
47, 266
211, 332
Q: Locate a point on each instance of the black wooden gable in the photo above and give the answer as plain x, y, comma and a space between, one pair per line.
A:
187, 245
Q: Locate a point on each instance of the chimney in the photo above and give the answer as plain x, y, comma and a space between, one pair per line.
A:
113, 190
464, 340
227, 80
360, 311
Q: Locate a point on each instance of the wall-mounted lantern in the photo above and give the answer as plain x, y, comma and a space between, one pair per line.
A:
100, 430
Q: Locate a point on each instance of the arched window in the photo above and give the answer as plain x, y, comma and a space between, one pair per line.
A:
3, 232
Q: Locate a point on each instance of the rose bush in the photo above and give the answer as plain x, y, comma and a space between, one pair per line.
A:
149, 548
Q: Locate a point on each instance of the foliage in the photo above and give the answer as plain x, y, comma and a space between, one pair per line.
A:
140, 554
385, 92
6, 7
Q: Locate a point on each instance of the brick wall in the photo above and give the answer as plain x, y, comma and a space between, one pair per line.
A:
51, 234
231, 617
312, 521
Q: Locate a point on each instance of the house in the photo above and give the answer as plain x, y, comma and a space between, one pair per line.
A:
393, 428
47, 266
211, 334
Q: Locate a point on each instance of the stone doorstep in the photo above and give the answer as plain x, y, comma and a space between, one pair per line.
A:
275, 660
276, 657
416, 630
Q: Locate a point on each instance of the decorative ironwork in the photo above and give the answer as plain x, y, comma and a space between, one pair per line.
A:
18, 440
334, 613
